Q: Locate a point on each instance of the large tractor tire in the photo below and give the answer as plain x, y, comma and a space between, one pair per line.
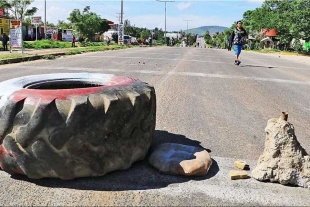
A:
74, 124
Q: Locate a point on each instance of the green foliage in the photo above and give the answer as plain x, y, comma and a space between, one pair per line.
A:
145, 34
159, 34
298, 46
88, 23
64, 25
90, 44
207, 37
27, 20
290, 18
19, 8
191, 39
44, 44
74, 52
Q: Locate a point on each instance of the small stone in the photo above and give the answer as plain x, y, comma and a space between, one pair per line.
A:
235, 175
241, 164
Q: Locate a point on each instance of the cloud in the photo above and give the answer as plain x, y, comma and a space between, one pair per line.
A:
60, 10
184, 5
54, 12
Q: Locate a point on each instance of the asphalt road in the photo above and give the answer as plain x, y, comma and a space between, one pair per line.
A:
203, 99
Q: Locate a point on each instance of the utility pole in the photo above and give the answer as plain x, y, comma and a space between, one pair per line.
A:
187, 29
45, 18
121, 11
121, 27
165, 13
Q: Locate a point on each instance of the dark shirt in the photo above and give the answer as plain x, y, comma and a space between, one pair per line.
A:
5, 39
238, 36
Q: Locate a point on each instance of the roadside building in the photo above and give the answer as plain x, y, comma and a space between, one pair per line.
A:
269, 38
113, 29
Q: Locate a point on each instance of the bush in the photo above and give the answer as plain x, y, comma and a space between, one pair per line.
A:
44, 44
74, 52
90, 44
298, 46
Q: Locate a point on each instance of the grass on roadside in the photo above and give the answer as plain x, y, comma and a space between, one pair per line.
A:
11, 56
69, 51
45, 44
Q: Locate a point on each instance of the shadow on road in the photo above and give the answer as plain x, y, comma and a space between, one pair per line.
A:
257, 66
140, 176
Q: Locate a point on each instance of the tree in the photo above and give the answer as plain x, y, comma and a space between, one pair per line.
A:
27, 20
145, 34
19, 8
158, 34
207, 37
64, 25
87, 23
290, 18
50, 24
191, 38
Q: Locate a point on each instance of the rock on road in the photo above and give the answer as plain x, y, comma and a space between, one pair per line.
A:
203, 99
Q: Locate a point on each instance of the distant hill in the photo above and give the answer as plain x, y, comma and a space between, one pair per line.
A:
203, 29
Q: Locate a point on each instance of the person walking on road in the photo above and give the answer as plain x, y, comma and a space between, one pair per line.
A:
238, 38
73, 41
5, 40
150, 41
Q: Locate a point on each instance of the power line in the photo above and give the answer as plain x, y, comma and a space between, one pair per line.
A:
93, 9
103, 7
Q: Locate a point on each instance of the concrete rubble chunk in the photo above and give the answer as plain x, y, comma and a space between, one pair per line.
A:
235, 174
181, 159
283, 160
241, 164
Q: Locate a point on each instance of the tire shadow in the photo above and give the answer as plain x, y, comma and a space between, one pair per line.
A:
140, 176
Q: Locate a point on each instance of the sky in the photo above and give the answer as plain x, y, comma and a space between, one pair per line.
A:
151, 13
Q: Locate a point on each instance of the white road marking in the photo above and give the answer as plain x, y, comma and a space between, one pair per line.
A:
189, 74
201, 61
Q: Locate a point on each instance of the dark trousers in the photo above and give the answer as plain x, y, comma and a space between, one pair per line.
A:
73, 44
5, 46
